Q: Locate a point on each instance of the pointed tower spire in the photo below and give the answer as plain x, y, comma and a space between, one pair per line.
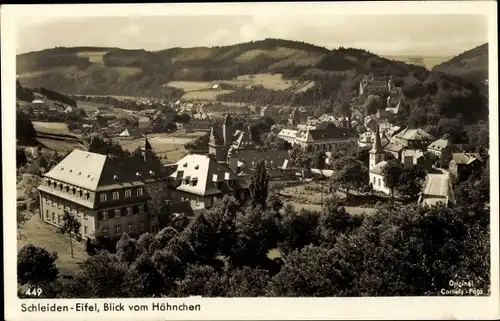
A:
146, 150
376, 153
147, 145
378, 143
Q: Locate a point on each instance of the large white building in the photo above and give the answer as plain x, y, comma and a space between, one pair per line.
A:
312, 140
288, 135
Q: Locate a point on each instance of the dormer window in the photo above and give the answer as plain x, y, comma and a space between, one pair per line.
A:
197, 167
185, 165
115, 177
151, 173
138, 175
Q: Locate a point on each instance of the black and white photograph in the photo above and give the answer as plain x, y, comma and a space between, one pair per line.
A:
280, 150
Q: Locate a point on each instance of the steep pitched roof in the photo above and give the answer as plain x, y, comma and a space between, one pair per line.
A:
415, 134
377, 146
93, 171
288, 132
326, 134
465, 158
377, 169
79, 168
394, 147
439, 144
205, 171
147, 145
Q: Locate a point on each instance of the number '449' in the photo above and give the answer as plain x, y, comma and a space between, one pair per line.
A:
34, 292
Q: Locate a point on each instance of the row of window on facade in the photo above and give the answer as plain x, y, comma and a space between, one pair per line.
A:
69, 206
118, 229
60, 220
73, 189
116, 195
104, 215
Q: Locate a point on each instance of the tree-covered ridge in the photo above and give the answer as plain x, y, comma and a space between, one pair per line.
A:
471, 64
28, 94
140, 72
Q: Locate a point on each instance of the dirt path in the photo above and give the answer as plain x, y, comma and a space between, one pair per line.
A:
44, 235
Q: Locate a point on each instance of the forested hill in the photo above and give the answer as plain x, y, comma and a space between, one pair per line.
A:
28, 95
284, 73
88, 70
471, 65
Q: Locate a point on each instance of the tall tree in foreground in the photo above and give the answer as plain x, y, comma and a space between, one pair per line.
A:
36, 266
259, 184
71, 227
411, 181
349, 173
391, 173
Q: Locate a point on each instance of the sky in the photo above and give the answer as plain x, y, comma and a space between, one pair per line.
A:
424, 35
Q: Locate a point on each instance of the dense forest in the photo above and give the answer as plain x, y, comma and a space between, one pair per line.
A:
471, 65
28, 95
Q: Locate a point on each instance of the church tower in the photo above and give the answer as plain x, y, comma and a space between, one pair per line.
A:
146, 150
376, 153
227, 131
216, 147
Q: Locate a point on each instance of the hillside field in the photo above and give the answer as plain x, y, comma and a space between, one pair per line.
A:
268, 81
206, 95
94, 56
171, 146
49, 127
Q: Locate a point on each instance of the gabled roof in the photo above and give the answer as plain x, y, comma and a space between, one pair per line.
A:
92, 171
439, 144
326, 134
394, 147
79, 168
377, 169
288, 132
465, 158
205, 170
415, 134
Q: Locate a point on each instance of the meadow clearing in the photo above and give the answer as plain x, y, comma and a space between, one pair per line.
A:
95, 57
164, 145
206, 95
268, 81
51, 127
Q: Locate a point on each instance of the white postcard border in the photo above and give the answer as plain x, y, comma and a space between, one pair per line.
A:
255, 308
